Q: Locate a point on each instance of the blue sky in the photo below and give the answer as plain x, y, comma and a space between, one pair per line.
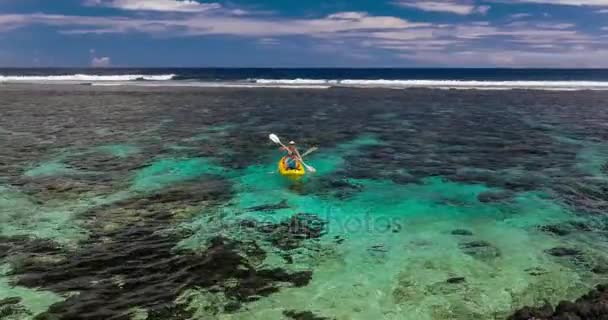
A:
304, 33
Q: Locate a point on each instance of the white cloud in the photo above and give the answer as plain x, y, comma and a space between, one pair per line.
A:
516, 58
449, 6
227, 25
520, 15
11, 21
511, 44
559, 26
156, 5
101, 62
268, 41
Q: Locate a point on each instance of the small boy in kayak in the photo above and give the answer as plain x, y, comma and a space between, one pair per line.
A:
293, 156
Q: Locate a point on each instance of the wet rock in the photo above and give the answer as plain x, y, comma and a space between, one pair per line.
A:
591, 306
462, 232
563, 252
302, 315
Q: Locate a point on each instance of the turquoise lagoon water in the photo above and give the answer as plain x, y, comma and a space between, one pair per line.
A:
426, 204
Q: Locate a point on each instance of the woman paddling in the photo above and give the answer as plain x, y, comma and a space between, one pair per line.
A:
293, 156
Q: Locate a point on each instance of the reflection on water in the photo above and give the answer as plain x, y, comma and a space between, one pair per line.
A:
160, 203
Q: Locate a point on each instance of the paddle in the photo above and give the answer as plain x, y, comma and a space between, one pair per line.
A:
276, 140
309, 151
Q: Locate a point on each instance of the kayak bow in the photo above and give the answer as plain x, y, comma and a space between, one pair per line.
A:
294, 174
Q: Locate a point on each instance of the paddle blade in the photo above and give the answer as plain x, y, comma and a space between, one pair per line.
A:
274, 138
309, 151
309, 168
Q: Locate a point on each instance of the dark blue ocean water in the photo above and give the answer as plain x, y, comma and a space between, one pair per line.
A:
223, 74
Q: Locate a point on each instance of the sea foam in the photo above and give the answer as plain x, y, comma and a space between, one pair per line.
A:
86, 77
450, 84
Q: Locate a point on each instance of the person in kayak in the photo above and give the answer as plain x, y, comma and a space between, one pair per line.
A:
293, 156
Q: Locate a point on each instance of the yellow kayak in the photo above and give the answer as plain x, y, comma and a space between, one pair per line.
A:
294, 174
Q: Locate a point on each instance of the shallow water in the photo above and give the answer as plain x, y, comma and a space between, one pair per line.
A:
164, 203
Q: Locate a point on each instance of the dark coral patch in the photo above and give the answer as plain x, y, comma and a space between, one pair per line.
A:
564, 252
270, 207
455, 280
170, 312
592, 306
555, 229
11, 308
480, 249
17, 246
494, 196
302, 315
292, 233
146, 272
135, 263
461, 232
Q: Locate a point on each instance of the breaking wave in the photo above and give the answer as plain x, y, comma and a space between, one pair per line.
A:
450, 84
86, 77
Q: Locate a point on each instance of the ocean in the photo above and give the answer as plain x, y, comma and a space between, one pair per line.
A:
154, 193
548, 79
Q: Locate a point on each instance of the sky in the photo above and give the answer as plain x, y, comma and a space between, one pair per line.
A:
304, 33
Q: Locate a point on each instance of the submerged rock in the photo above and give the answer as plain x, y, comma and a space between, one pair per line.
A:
232, 306
136, 264
462, 232
302, 315
580, 226
291, 234
564, 252
556, 229
11, 308
480, 249
170, 312
494, 196
592, 306
9, 300
153, 276
454, 280
529, 313
600, 269
338, 188
24, 246
270, 207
